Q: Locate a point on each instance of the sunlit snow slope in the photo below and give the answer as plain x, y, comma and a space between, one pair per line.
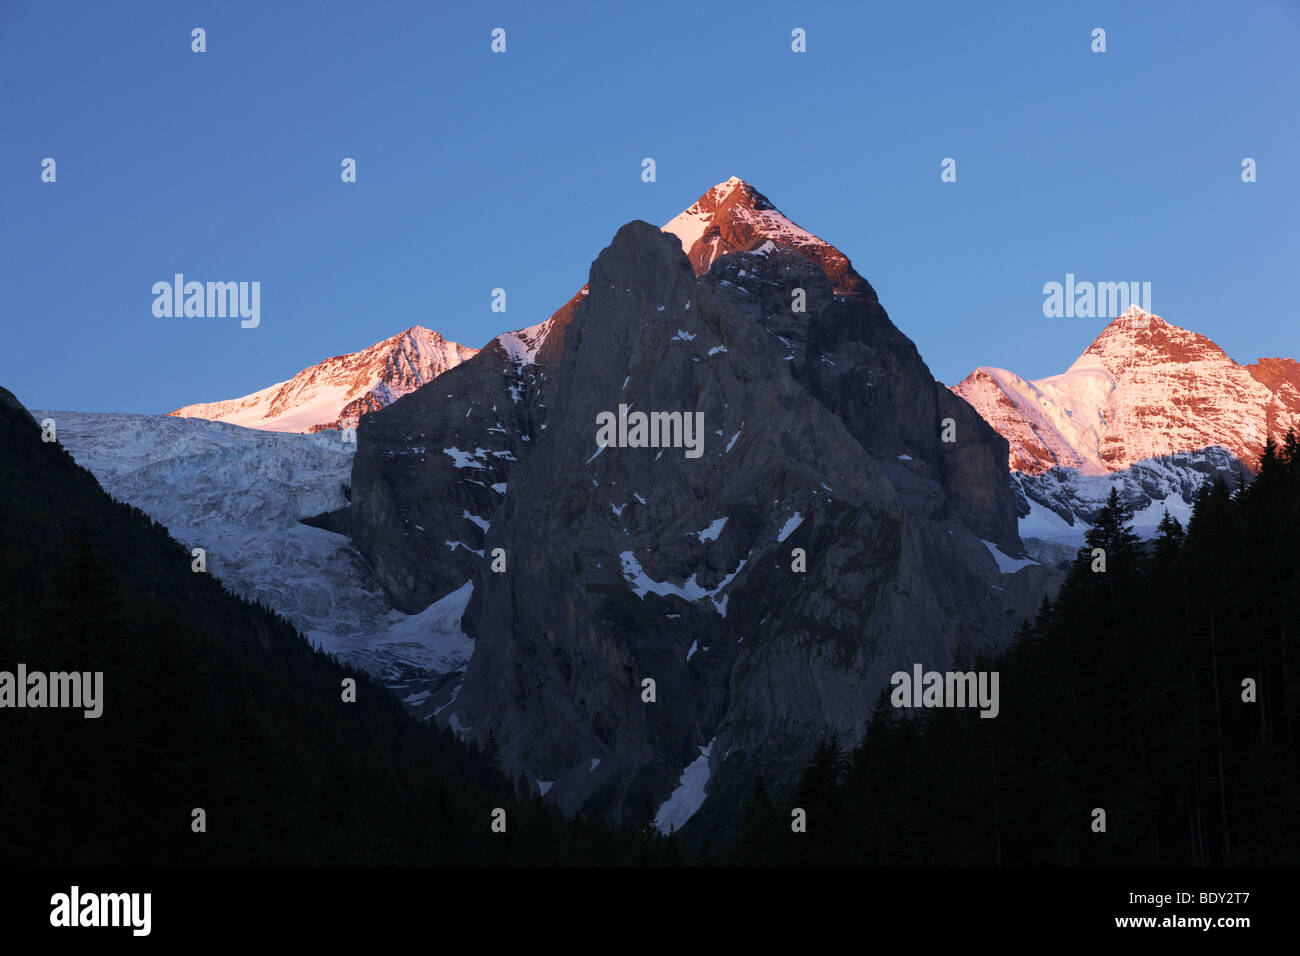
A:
338, 391
1142, 389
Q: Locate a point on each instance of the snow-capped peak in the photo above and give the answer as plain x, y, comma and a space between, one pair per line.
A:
1138, 338
733, 216
1143, 388
338, 391
1133, 320
1136, 311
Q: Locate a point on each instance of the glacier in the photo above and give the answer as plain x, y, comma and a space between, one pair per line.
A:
240, 493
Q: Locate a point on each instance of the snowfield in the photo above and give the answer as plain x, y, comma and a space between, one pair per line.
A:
689, 794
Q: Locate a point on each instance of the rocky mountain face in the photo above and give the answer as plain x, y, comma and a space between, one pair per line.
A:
822, 431
1150, 408
1281, 376
338, 391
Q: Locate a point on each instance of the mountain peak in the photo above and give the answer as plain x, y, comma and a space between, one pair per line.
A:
416, 332
1140, 338
744, 192
733, 216
1144, 388
731, 184
1137, 317
336, 392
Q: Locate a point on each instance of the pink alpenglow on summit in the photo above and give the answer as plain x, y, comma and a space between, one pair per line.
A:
339, 390
1142, 389
735, 217
731, 217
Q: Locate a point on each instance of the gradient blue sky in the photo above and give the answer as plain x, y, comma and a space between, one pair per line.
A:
479, 170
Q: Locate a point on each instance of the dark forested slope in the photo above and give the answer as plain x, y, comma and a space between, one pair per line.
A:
1164, 691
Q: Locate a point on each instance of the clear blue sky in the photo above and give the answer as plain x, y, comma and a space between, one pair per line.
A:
479, 170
